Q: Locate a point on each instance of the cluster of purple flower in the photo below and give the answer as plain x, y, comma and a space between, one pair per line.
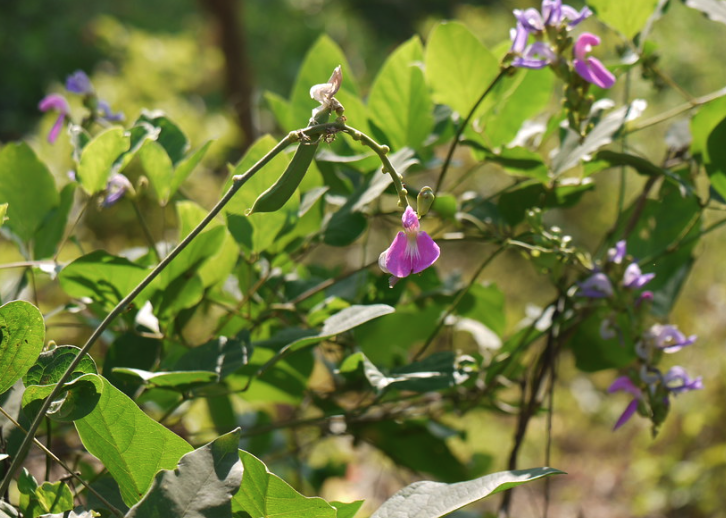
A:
554, 20
80, 84
77, 83
649, 387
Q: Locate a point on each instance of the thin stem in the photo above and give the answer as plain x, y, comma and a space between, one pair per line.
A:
463, 125
382, 152
238, 182
65, 466
698, 101
70, 230
146, 231
455, 303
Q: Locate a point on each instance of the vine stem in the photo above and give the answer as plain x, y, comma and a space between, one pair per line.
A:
462, 127
698, 101
238, 182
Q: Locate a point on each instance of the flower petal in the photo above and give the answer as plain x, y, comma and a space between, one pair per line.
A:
600, 76
398, 259
627, 414
519, 39
428, 252
79, 83
624, 384
410, 220
54, 102
56, 129
584, 44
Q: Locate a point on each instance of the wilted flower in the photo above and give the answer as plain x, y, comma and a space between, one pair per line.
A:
589, 68
79, 83
325, 94
668, 338
677, 381
597, 286
115, 189
634, 278
58, 103
412, 250
625, 384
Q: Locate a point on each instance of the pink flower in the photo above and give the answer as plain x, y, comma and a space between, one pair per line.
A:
412, 250
589, 68
58, 103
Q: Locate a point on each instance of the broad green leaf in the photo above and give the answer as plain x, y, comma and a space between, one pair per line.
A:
399, 102
28, 188
23, 335
606, 158
628, 18
530, 94
703, 124
76, 400
714, 9
265, 495
458, 67
185, 167
102, 277
258, 231
170, 136
37, 500
520, 161
280, 108
158, 168
317, 66
715, 158
175, 380
485, 304
201, 486
3, 212
434, 500
130, 350
51, 232
513, 205
50, 366
131, 445
593, 353
98, 157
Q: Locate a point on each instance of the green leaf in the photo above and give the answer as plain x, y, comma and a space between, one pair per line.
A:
265, 495
23, 335
628, 18
158, 168
257, 232
317, 66
399, 101
51, 232
3, 212
458, 67
221, 355
50, 366
593, 353
130, 350
201, 486
185, 167
181, 381
434, 500
102, 277
40, 500
131, 445
514, 204
280, 108
441, 370
99, 156
28, 188
485, 304
170, 137
76, 400
520, 161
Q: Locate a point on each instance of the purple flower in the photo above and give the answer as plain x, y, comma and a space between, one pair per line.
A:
552, 15
669, 338
536, 55
58, 103
625, 384
677, 381
78, 83
115, 189
412, 250
519, 36
617, 254
107, 114
635, 279
589, 68
597, 286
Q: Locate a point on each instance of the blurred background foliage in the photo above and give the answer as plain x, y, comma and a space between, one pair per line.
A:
170, 55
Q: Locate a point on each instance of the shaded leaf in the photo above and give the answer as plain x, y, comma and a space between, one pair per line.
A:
22, 332
98, 157
201, 486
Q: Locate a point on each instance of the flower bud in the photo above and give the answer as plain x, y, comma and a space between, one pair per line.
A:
424, 200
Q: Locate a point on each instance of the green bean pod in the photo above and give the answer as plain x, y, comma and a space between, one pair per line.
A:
282, 190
